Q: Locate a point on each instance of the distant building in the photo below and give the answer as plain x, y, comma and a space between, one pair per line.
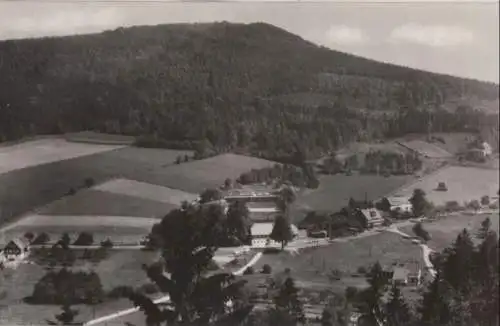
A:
370, 217
407, 274
262, 231
16, 249
399, 204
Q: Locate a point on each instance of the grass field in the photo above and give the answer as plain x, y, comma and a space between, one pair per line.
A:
313, 264
335, 190
103, 203
445, 230
44, 151
120, 268
121, 229
22, 190
146, 191
427, 149
196, 176
464, 184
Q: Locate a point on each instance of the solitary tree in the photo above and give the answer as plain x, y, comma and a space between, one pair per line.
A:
188, 240
419, 202
397, 310
238, 221
373, 295
282, 231
286, 198
485, 200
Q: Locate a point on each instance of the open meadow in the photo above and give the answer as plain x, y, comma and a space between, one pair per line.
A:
312, 265
428, 150
104, 203
22, 190
446, 229
43, 151
121, 267
335, 190
463, 183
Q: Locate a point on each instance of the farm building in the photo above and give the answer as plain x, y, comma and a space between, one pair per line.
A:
262, 211
399, 204
370, 217
409, 274
261, 232
16, 249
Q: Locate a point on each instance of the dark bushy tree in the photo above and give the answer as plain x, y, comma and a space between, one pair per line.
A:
397, 311
282, 231
84, 239
42, 238
484, 229
210, 195
66, 317
188, 240
419, 203
288, 309
238, 221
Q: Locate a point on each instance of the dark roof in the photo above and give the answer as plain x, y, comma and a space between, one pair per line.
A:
21, 243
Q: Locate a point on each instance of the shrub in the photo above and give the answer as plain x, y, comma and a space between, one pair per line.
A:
67, 287
248, 271
474, 204
121, 291
452, 206
362, 270
107, 243
287, 270
71, 192
30, 236
266, 269
42, 238
485, 200
84, 239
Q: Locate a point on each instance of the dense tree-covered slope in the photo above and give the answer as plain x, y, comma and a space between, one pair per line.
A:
249, 86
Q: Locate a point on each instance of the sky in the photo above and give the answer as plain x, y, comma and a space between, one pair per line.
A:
457, 38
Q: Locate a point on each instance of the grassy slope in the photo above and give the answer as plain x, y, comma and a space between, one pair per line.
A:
335, 190
25, 189
95, 202
445, 230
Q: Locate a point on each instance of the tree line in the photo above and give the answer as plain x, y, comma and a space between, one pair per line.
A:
228, 96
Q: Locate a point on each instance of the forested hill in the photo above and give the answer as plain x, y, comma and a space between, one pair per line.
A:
250, 86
